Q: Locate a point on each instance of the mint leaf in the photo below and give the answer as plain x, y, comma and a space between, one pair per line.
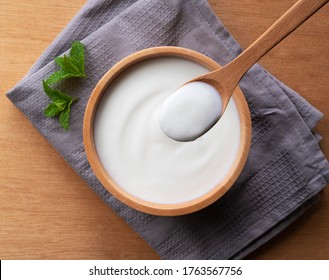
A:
77, 55
60, 105
65, 116
72, 65
58, 76
52, 110
55, 95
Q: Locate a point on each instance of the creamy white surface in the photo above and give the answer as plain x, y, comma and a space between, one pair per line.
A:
190, 111
139, 156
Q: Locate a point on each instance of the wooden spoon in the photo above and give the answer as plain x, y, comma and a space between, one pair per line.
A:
226, 79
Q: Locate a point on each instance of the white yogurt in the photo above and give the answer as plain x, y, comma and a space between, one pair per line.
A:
190, 111
136, 153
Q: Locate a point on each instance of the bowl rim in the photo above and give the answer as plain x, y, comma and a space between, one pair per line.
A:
138, 203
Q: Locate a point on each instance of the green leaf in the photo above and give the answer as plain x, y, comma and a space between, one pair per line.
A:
58, 76
77, 54
60, 105
64, 117
68, 66
52, 110
72, 65
60, 61
55, 95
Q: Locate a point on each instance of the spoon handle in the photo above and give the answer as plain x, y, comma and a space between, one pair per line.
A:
287, 23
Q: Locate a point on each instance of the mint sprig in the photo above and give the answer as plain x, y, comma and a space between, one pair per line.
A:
72, 65
60, 105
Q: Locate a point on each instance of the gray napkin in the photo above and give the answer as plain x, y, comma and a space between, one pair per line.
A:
285, 170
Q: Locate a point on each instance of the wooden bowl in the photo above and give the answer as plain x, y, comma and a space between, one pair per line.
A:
147, 206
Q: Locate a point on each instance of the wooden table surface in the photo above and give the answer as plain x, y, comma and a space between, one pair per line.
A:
48, 212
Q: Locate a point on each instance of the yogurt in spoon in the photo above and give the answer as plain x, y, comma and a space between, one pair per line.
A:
190, 111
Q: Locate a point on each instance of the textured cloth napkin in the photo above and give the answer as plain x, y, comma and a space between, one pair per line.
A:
285, 169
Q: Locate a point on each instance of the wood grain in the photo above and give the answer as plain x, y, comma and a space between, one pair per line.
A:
48, 212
